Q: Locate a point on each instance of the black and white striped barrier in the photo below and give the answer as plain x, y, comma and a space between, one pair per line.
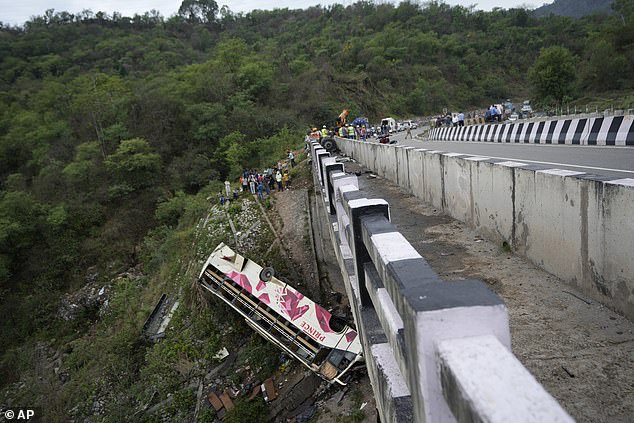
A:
421, 336
610, 130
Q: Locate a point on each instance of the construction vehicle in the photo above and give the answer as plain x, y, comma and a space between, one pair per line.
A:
323, 343
341, 119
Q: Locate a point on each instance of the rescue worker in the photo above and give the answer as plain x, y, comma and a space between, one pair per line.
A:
324, 131
351, 132
343, 132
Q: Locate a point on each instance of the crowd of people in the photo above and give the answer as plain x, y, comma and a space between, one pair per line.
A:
350, 131
274, 178
450, 120
494, 113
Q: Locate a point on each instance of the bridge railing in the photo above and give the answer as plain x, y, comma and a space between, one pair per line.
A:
436, 351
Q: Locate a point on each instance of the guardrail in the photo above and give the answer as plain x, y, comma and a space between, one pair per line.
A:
435, 351
610, 130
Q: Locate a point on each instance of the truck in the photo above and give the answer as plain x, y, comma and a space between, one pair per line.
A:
388, 125
281, 314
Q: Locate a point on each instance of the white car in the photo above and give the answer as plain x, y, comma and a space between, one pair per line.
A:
410, 124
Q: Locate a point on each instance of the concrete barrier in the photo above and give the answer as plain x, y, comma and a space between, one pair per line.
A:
574, 225
602, 130
420, 333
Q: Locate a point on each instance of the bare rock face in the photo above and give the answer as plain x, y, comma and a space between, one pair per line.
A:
92, 299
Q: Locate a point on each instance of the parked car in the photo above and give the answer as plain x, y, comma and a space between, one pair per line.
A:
410, 124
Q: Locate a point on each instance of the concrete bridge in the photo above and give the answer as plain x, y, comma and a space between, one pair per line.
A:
439, 351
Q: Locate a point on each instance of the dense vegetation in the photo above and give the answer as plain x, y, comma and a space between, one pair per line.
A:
114, 130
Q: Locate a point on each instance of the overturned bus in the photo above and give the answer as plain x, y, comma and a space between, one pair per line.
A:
282, 315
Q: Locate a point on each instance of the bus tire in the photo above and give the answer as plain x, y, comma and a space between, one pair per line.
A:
329, 145
266, 274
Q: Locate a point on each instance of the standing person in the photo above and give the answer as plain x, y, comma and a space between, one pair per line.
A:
252, 183
351, 132
278, 178
364, 133
409, 131
286, 180
460, 119
494, 113
245, 183
267, 184
291, 158
343, 132
272, 181
260, 191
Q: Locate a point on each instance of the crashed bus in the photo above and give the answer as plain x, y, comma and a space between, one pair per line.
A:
282, 315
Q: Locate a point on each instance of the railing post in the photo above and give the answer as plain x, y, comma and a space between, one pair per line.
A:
357, 207
330, 167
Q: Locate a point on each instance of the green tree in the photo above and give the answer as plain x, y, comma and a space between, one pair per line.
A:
198, 11
20, 215
83, 171
235, 152
133, 166
99, 102
553, 75
603, 68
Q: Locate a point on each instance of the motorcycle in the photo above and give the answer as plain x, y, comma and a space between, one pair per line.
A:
385, 139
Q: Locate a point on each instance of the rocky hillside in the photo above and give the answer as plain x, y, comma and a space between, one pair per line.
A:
574, 8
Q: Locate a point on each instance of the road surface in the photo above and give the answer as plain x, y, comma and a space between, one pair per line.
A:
609, 161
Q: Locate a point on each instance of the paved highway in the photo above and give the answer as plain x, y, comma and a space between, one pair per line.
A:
614, 162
